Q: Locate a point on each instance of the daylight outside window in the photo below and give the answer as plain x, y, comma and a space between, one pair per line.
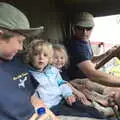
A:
106, 34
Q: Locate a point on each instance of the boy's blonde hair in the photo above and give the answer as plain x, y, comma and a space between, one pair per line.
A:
62, 49
37, 46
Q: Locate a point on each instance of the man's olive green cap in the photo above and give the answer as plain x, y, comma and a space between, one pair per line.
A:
84, 19
13, 19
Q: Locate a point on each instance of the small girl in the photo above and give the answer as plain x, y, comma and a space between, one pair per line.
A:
52, 89
61, 62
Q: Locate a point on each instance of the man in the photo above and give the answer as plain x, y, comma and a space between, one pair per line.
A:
16, 85
81, 65
82, 62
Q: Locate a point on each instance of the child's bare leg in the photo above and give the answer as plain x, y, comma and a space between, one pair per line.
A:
86, 83
113, 93
94, 96
91, 90
79, 95
95, 86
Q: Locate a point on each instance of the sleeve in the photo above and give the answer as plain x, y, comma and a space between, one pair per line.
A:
80, 54
66, 90
34, 82
59, 79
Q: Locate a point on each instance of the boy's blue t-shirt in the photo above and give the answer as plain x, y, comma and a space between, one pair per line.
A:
79, 51
16, 88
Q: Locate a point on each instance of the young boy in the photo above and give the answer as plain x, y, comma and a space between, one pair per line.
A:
16, 85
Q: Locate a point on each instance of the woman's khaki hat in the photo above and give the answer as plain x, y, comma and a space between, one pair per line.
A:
14, 20
84, 19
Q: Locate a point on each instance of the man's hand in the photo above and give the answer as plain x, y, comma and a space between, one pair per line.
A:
105, 57
114, 98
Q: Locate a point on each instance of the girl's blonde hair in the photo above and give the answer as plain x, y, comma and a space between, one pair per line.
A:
36, 47
62, 49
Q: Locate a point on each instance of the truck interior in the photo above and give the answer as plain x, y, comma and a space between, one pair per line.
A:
55, 16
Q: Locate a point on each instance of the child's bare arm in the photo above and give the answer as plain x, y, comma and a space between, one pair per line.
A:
37, 103
80, 96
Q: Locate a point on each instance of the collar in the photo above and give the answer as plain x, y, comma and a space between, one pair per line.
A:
80, 40
32, 68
